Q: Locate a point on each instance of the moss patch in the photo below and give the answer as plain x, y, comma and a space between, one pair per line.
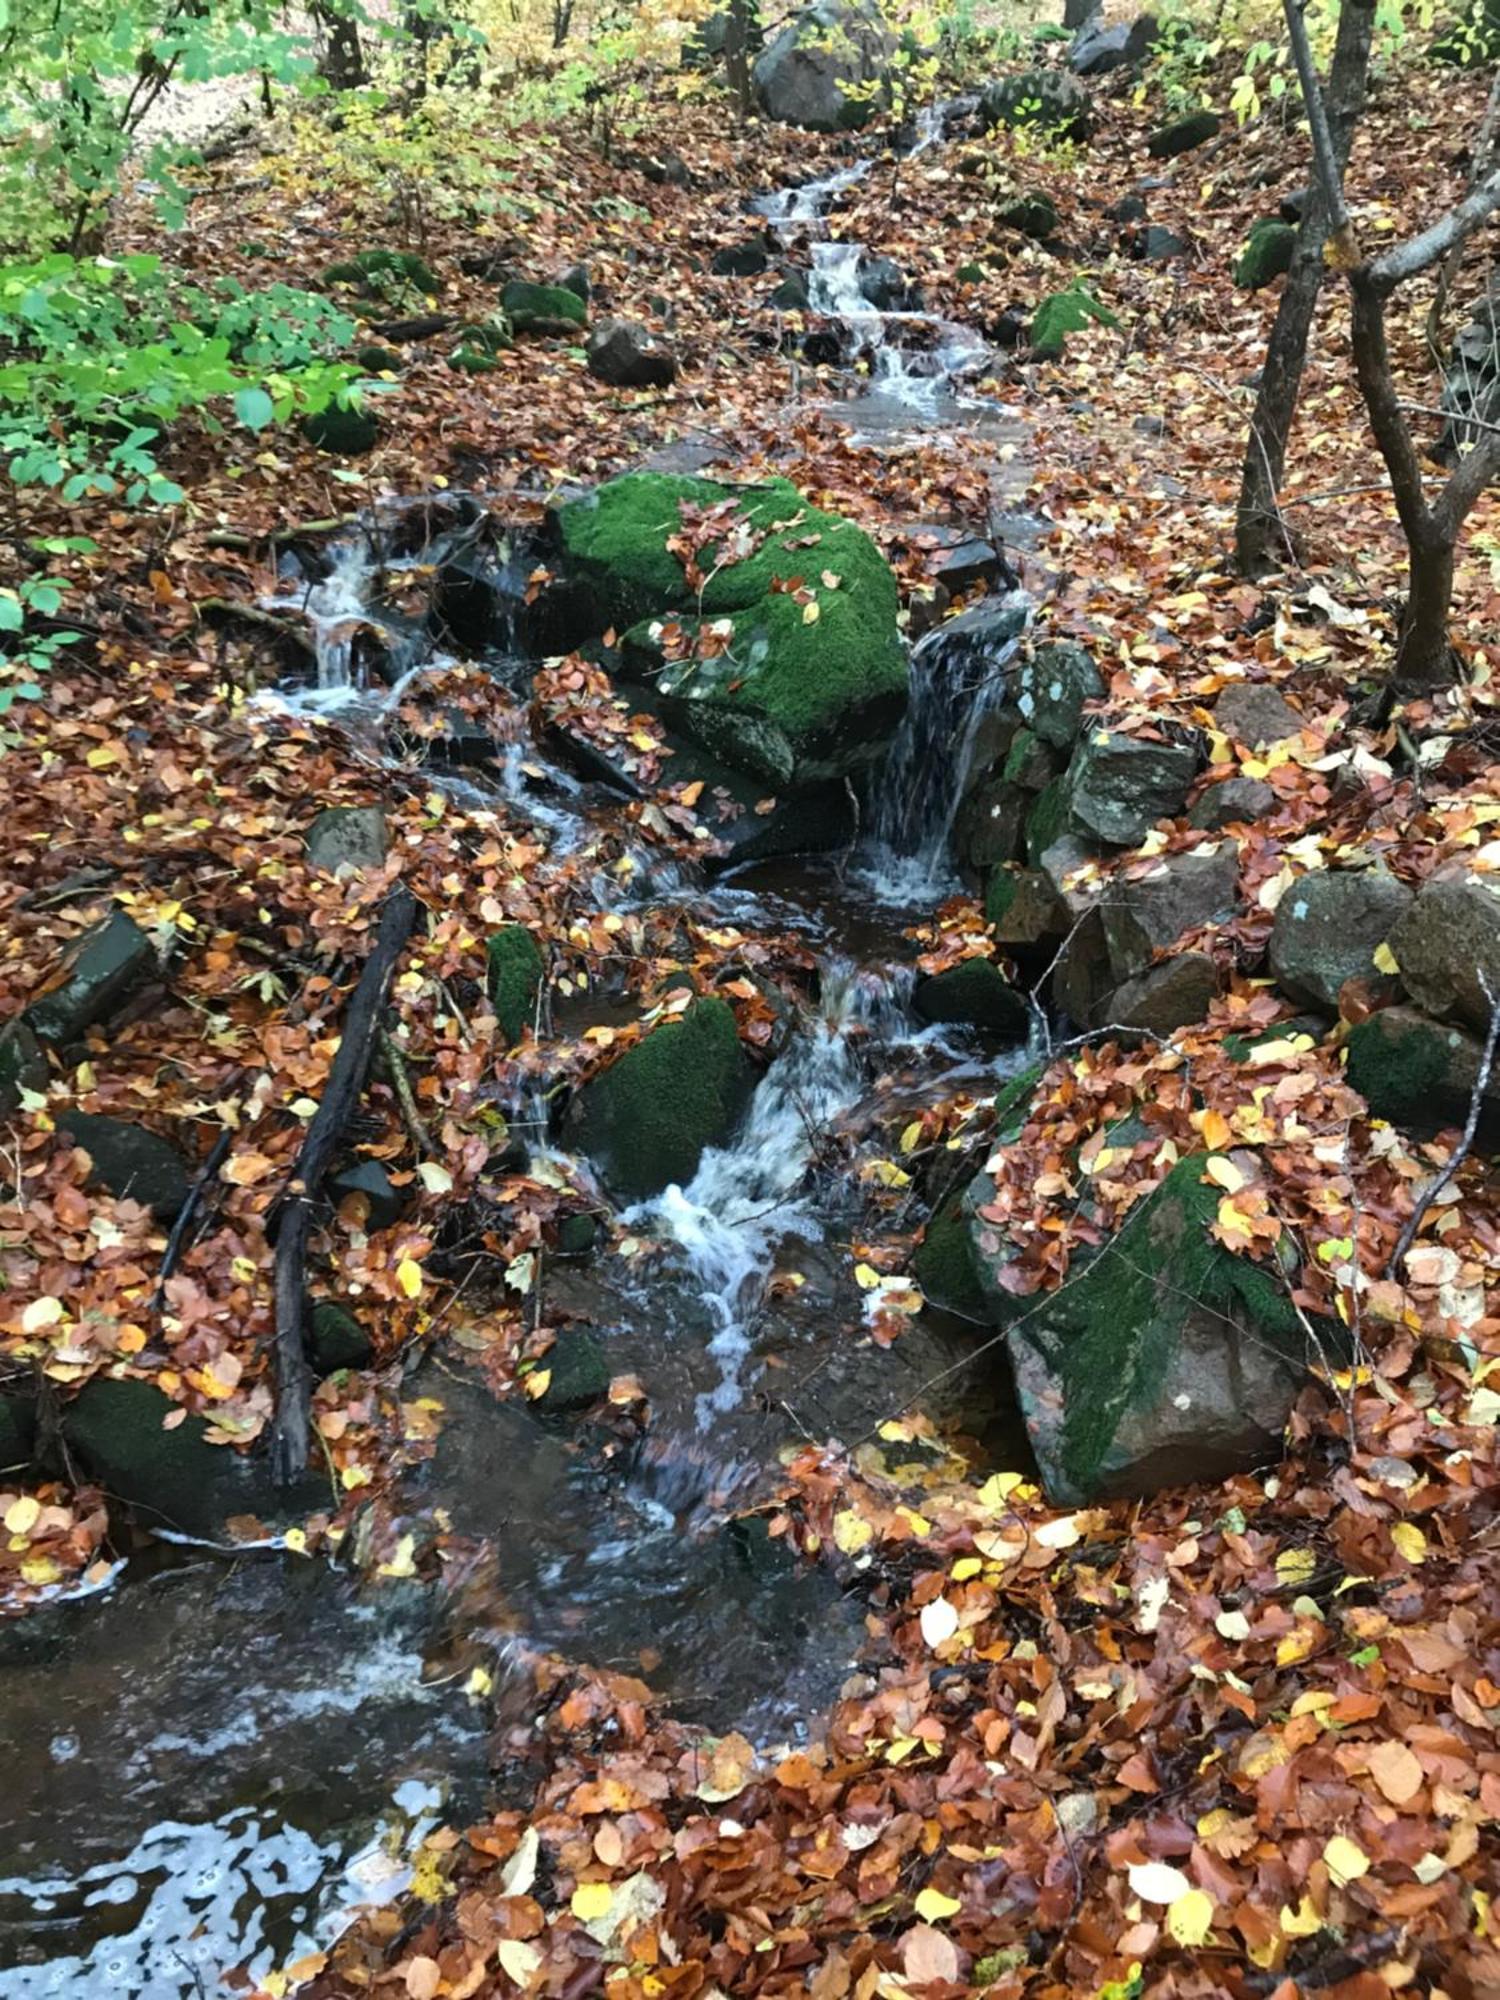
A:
943, 1263
543, 309
514, 979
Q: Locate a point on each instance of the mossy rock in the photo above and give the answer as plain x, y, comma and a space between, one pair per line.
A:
943, 1264
377, 360
577, 1235
130, 1162
1053, 687
336, 1339
514, 979
973, 993
1033, 215
1421, 1074
1184, 135
554, 311
347, 433
647, 1120
969, 274
1267, 255
1166, 1361
578, 1371
793, 702
480, 345
106, 965
175, 1477
384, 270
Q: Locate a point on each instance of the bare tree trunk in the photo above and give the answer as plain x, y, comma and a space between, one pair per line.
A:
737, 55
1259, 537
1076, 12
342, 65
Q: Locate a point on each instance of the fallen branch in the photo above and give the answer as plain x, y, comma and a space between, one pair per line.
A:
188, 1215
411, 1118
251, 614
1460, 1152
291, 1219
426, 326
237, 538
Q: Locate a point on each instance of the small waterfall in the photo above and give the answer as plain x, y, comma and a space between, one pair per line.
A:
337, 608
807, 206
958, 678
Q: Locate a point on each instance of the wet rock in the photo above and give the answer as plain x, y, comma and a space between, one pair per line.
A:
960, 561
1029, 762
514, 979
647, 1119
1144, 914
1183, 135
23, 1065
1421, 1074
577, 1235
1129, 208
578, 1372
1175, 994
385, 1203
1082, 978
794, 703
344, 433
543, 311
1097, 49
1119, 786
17, 1430
943, 1263
1047, 98
1022, 908
1033, 215
1447, 942
1327, 930
827, 70
576, 279
627, 355
793, 294
1159, 246
107, 964
348, 837
1232, 802
336, 1339
974, 993
1052, 689
131, 1162
741, 260
1267, 254
175, 1477
991, 825
883, 285
1166, 1361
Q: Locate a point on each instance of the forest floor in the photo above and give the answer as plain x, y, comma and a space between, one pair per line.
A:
1239, 1740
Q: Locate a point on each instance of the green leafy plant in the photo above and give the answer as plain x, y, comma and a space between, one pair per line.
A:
26, 655
1062, 313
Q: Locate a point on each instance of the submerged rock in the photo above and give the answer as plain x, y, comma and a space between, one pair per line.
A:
578, 1373
973, 993
1328, 928
108, 963
647, 1120
131, 1162
803, 688
1166, 1361
828, 69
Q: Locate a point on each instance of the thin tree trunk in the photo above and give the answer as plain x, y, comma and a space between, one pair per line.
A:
737, 56
1259, 534
1424, 652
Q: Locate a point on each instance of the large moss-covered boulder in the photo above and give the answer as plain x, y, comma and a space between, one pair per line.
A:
514, 978
1167, 1360
827, 70
1422, 1074
813, 679
1328, 929
1266, 255
543, 311
647, 1120
974, 993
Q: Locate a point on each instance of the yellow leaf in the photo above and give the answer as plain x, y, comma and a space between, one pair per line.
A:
1189, 1917
965, 1567
932, 1906
1296, 1566
518, 1960
1295, 1646
1346, 1862
997, 1489
1410, 1541
22, 1515
40, 1570
810, 613
1304, 1921
851, 1532
1385, 959
103, 755
409, 1277
41, 1313
591, 1900
538, 1382
866, 1277
1215, 1129
911, 1138
1232, 1222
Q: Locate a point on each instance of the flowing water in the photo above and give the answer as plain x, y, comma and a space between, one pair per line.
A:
214, 1764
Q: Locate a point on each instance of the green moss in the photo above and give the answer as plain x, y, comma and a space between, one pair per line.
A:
1000, 893
336, 1339
377, 360
371, 267
578, 1369
647, 1120
346, 432
514, 979
481, 344
1267, 255
543, 309
970, 274
1049, 819
1013, 1102
973, 993
1399, 1076
944, 1263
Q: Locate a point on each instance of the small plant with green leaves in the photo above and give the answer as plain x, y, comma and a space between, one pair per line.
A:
1062, 313
26, 653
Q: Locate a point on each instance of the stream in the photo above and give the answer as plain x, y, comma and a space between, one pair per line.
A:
212, 1765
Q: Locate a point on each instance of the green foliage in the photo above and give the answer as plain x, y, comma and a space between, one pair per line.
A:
1062, 313
98, 357
24, 656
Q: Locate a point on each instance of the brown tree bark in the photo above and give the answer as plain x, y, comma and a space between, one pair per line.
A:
737, 56
1259, 536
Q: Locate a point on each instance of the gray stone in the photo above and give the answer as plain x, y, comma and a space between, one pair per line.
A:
1183, 135
23, 1065
1047, 98
1175, 994
1159, 245
990, 825
1144, 914
1447, 942
885, 286
1097, 49
1328, 926
1232, 802
348, 837
132, 1163
1022, 907
827, 70
576, 279
973, 993
1120, 786
1029, 762
1421, 1074
627, 355
386, 1202
1052, 688
106, 966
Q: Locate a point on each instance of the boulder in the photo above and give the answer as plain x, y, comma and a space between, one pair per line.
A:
514, 979
991, 825
342, 430
336, 1339
647, 1120
1047, 98
385, 1203
546, 311
1183, 135
885, 286
1119, 786
23, 1065
943, 1263
1232, 802
1421, 1074
793, 700
176, 1477
348, 837
627, 355
793, 293
1022, 908
1447, 942
974, 993
1097, 49
1328, 927
1253, 714
479, 344
1159, 246
132, 1163
1267, 254
1033, 215
1175, 994
577, 1371
1166, 1361
1053, 686
1144, 914
106, 965
828, 69
741, 260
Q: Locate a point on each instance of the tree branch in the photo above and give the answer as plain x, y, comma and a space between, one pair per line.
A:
1405, 260
1372, 364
